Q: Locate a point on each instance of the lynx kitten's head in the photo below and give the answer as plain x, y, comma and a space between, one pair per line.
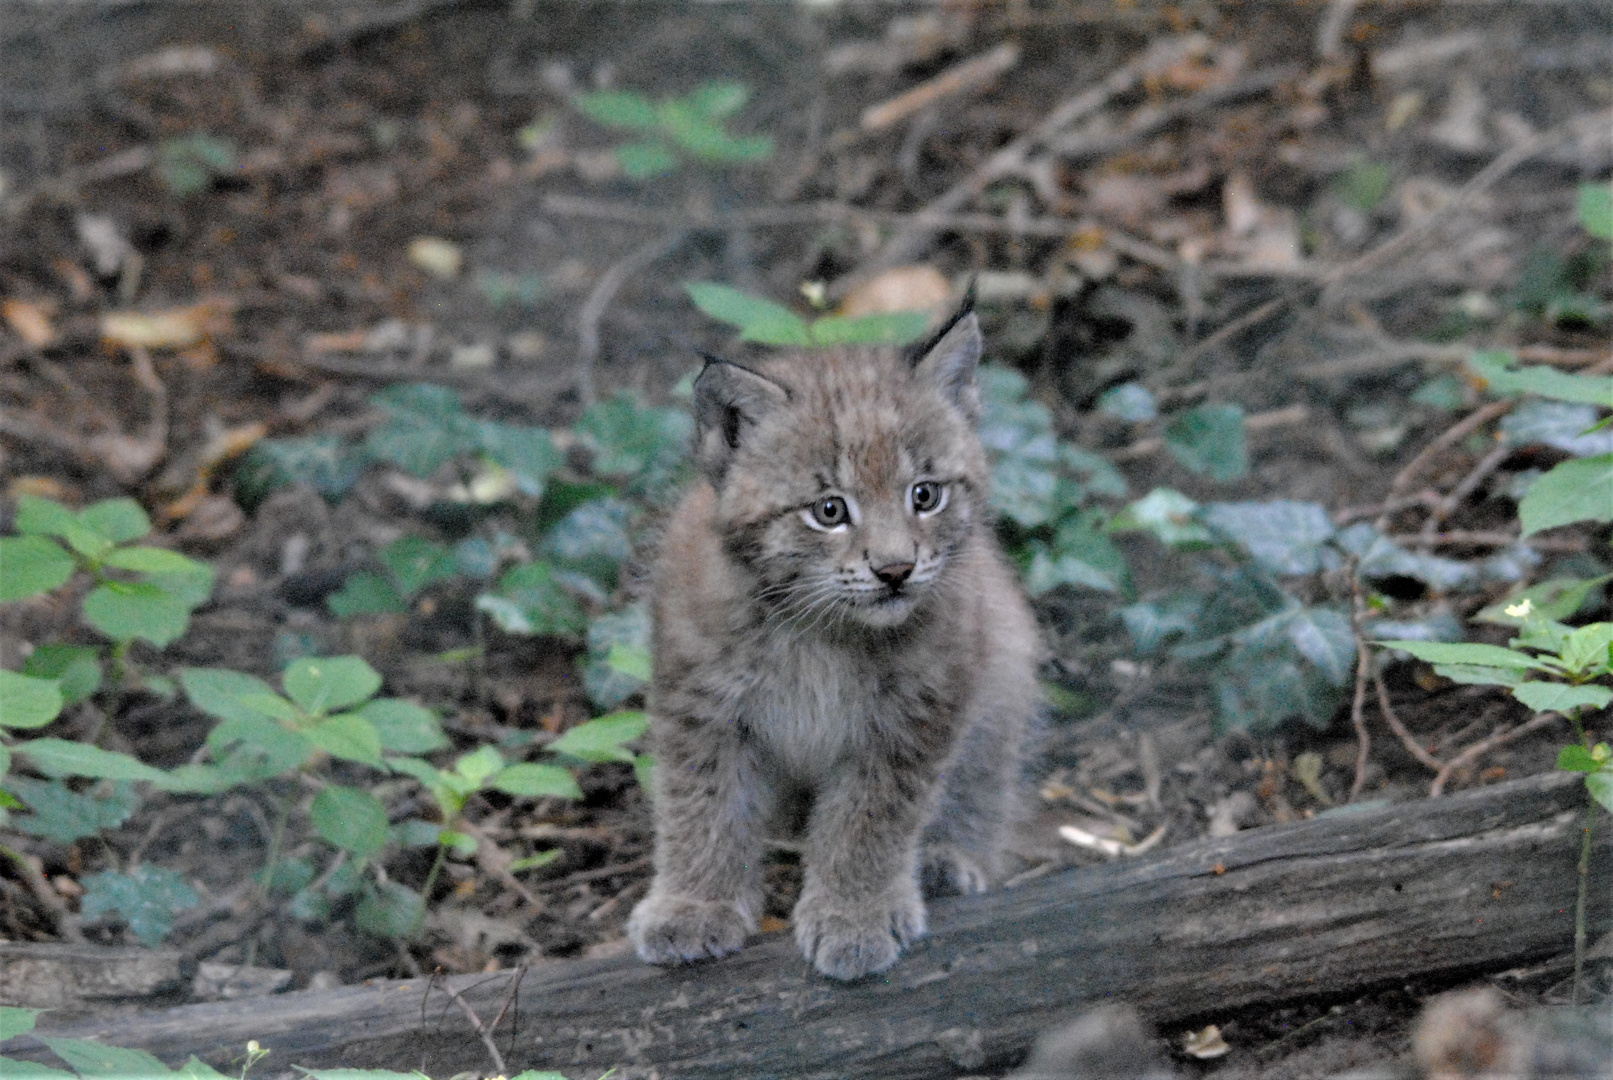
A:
847, 479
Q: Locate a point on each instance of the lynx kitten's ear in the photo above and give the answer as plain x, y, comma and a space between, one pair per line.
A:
948, 360
728, 399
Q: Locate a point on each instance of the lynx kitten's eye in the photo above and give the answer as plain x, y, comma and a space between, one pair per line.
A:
831, 512
927, 496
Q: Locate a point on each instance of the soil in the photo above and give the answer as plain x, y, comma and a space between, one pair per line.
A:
358, 129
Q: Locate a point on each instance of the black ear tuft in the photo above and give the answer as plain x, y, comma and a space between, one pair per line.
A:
728, 398
950, 358
966, 307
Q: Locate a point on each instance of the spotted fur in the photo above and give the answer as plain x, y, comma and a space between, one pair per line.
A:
873, 662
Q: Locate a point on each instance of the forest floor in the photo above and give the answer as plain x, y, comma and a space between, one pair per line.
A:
1315, 212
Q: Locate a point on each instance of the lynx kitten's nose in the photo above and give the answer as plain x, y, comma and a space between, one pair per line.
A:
894, 574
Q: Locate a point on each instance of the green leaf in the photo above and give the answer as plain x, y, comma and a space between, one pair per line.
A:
758, 320
630, 440
1284, 536
1258, 689
1132, 402
630, 660
125, 610
351, 819
1572, 491
403, 726
390, 910
76, 669
44, 517
359, 1074
621, 109
1561, 697
1595, 205
528, 453
146, 898
602, 739
428, 428
532, 779
416, 562
1364, 184
1324, 637
15, 1021
1600, 785
1209, 440
1555, 598
1586, 651
718, 99
533, 861
196, 1069
30, 565
27, 702
1577, 759
479, 764
197, 779
64, 815
1563, 425
324, 685
326, 463
220, 692
93, 1059
1464, 652
540, 601
592, 533
119, 520
1479, 675
348, 736
1495, 368
895, 328
279, 747
618, 655
61, 757
1167, 514
366, 593
1080, 555
1153, 623
154, 560
644, 160
275, 706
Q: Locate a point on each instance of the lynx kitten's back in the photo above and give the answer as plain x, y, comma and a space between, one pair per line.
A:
838, 646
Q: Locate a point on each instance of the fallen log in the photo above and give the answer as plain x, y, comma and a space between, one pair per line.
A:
1480, 880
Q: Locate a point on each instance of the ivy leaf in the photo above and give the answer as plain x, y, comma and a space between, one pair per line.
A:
30, 565
1079, 555
366, 593
146, 898
1572, 491
416, 562
1209, 440
1324, 637
631, 440
1561, 697
1284, 536
64, 815
350, 819
404, 727
62, 757
323, 685
325, 463
125, 610
1152, 623
616, 644
1562, 425
758, 320
602, 739
76, 669
1258, 689
1132, 402
1166, 513
536, 602
528, 453
28, 702
531, 779
428, 428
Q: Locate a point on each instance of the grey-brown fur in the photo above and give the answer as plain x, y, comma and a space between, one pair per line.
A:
789, 673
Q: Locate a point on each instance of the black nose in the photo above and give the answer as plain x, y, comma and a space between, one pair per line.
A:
894, 574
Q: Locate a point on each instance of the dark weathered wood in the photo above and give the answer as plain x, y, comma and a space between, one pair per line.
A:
1480, 879
45, 975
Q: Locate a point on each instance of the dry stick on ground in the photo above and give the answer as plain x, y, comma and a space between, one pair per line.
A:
1452, 435
1363, 664
1479, 473
593, 309
32, 871
482, 1032
970, 74
1392, 718
1484, 746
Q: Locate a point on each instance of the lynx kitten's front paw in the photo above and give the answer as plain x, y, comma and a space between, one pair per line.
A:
668, 929
844, 941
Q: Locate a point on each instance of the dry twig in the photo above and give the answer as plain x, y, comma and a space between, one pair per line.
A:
593, 309
483, 1032
970, 74
1450, 437
1484, 746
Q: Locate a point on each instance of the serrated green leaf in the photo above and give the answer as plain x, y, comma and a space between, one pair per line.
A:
758, 320
15, 1021
76, 669
64, 815
366, 593
350, 819
1479, 675
390, 910
403, 726
1595, 205
1587, 648
30, 565
349, 737
326, 684
126, 610
146, 898
1496, 369
27, 702
621, 109
1572, 491
1464, 652
1283, 535
531, 779
1209, 440
602, 739
895, 328
61, 757
1561, 697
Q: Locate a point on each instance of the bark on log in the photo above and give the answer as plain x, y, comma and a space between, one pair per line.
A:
1482, 879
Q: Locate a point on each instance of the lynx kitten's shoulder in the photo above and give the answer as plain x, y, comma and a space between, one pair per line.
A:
839, 645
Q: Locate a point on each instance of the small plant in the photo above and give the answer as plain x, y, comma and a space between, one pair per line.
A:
189, 164
676, 127
766, 323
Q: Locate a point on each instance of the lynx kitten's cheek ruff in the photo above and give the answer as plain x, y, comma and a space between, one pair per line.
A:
837, 642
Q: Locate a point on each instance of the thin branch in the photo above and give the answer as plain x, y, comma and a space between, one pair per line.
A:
482, 1032
1363, 663
1484, 746
593, 309
1392, 718
1468, 484
1451, 436
32, 871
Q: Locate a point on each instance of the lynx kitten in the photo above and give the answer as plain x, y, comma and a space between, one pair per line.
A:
838, 647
